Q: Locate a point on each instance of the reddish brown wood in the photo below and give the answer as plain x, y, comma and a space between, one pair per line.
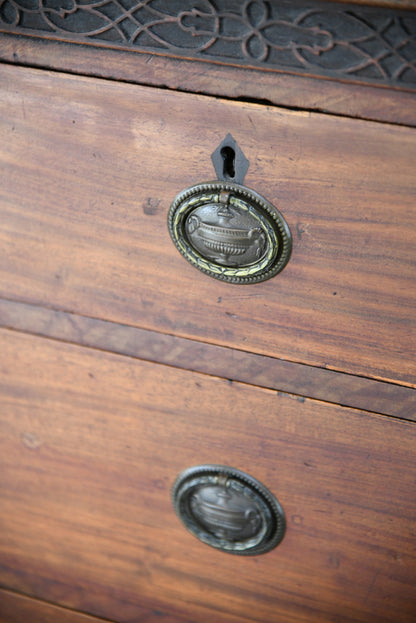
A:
90, 168
344, 389
16, 608
91, 442
355, 100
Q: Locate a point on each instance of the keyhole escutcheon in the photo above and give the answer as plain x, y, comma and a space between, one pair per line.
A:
228, 156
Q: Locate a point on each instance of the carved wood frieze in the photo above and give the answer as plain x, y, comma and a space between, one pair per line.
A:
347, 42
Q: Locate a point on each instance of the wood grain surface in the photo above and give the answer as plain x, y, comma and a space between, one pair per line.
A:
328, 385
307, 93
90, 167
15, 608
91, 443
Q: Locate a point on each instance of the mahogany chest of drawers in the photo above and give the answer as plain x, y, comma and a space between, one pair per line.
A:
123, 365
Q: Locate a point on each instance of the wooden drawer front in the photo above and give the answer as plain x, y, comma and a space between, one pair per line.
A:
91, 443
90, 167
16, 608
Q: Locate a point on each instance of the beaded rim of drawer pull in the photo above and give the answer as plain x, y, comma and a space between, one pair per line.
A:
228, 509
254, 249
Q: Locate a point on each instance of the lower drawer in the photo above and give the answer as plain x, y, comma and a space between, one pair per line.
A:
91, 443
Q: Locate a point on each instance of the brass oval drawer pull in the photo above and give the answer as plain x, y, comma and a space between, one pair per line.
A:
226, 230
228, 509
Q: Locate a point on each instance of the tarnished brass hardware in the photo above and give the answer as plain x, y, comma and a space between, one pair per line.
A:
229, 162
227, 230
228, 509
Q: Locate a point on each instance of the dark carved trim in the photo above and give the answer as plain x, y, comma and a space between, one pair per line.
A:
346, 42
263, 371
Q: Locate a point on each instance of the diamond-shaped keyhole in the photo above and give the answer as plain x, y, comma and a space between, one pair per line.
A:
228, 156
229, 162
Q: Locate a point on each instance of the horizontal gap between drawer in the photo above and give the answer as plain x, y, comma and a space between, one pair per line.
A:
303, 380
18, 603
370, 102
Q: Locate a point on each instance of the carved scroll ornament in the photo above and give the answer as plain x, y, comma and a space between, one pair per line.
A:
333, 40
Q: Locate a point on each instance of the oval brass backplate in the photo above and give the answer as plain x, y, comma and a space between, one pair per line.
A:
228, 509
229, 232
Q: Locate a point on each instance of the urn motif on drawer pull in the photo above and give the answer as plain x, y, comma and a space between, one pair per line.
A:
227, 230
228, 509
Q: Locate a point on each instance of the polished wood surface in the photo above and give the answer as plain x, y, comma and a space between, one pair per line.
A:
15, 608
237, 365
89, 168
91, 442
299, 92
121, 365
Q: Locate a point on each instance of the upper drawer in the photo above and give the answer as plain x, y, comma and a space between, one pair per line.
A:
90, 168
